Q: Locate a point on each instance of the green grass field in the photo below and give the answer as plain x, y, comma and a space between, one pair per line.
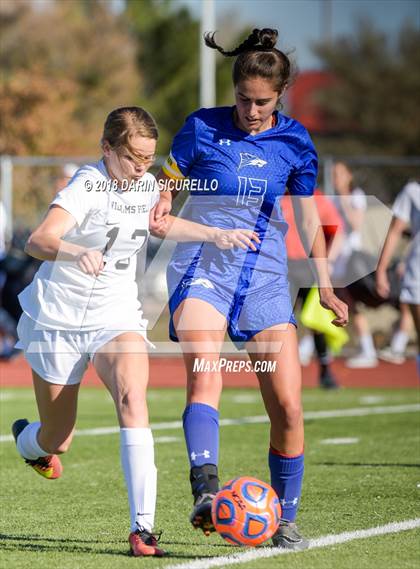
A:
81, 520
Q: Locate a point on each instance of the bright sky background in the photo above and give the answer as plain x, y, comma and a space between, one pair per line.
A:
300, 22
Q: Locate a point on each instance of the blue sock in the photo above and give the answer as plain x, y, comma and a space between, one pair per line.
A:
201, 431
286, 479
418, 365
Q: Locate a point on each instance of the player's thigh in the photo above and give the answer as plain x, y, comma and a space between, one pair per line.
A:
275, 356
201, 330
123, 366
123, 363
57, 406
196, 318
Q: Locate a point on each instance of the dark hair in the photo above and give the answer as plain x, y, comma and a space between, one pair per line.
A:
123, 124
257, 57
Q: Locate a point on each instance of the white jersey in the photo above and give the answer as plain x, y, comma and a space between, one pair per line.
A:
116, 222
407, 208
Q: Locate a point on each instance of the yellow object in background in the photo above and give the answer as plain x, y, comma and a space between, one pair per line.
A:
317, 318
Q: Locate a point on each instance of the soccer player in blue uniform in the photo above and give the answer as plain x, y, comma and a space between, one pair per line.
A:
237, 162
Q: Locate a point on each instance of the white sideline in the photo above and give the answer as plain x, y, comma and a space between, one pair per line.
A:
324, 541
256, 419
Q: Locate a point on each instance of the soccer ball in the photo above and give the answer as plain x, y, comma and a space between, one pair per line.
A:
246, 511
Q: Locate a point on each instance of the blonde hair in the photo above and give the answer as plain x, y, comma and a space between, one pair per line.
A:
124, 123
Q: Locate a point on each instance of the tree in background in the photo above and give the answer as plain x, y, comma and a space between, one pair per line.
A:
372, 107
64, 66
168, 48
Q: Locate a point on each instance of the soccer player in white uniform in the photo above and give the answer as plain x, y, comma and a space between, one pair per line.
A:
406, 212
83, 305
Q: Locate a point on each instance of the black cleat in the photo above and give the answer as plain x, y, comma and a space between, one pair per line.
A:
205, 485
327, 380
18, 427
201, 514
287, 536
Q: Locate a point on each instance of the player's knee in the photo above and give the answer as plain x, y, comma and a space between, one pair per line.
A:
292, 414
202, 383
131, 402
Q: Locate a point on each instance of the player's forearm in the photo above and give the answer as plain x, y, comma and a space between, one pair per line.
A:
312, 233
182, 230
165, 187
49, 247
166, 194
391, 241
336, 246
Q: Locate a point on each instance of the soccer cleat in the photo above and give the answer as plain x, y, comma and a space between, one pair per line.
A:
287, 536
327, 380
361, 361
144, 543
205, 485
391, 356
201, 514
50, 466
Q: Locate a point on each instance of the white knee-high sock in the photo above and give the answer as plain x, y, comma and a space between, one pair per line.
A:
399, 342
27, 442
138, 463
367, 345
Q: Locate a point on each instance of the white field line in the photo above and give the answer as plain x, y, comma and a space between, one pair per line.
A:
340, 441
256, 419
371, 399
324, 541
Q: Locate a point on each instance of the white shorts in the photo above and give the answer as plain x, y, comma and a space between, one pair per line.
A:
410, 288
61, 356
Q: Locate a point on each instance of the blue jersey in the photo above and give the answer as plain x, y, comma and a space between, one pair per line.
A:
235, 180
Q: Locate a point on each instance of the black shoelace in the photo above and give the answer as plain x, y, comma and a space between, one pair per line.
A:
148, 536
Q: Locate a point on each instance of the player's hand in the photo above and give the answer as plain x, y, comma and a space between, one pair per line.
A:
90, 262
162, 208
230, 238
382, 284
329, 300
158, 219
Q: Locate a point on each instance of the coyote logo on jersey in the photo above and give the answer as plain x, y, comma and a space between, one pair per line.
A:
251, 160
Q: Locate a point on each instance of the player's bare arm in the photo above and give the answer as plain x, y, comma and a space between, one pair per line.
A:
394, 234
183, 230
312, 236
46, 243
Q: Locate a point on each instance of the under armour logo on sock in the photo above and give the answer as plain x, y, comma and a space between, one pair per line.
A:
204, 454
286, 503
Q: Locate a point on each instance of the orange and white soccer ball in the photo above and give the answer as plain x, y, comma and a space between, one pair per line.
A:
246, 511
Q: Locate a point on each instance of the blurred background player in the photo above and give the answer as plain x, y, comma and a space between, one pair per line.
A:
406, 212
400, 334
301, 276
351, 203
250, 152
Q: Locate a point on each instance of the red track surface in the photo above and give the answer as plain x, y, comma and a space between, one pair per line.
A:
169, 372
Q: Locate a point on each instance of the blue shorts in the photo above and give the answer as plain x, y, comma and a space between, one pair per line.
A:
251, 300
